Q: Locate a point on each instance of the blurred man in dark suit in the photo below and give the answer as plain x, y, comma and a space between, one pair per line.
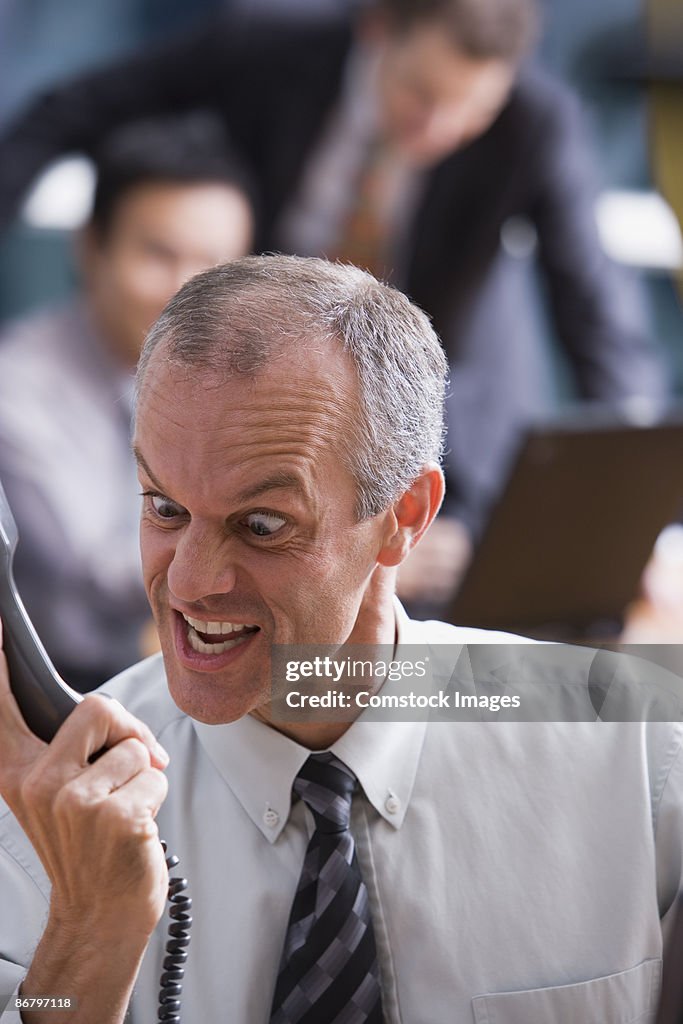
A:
419, 144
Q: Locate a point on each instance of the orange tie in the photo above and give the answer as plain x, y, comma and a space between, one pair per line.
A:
364, 235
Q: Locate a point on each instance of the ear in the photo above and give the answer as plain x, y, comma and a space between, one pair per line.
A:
411, 514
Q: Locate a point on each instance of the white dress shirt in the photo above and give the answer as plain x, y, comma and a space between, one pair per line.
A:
517, 872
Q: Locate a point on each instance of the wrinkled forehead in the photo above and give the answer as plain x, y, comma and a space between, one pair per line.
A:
313, 388
202, 437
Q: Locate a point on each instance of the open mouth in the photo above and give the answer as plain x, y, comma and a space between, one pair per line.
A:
214, 637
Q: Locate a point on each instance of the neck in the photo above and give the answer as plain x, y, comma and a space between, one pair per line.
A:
375, 625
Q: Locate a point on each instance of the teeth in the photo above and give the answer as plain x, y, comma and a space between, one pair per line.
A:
216, 628
198, 645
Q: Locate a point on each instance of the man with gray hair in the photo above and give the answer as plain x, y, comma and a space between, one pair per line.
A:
343, 869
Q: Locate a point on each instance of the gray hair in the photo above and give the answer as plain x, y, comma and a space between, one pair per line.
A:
235, 318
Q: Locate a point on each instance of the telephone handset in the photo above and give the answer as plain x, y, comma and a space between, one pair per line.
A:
45, 700
43, 697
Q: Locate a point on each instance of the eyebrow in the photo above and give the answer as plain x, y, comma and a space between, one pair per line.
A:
280, 480
140, 459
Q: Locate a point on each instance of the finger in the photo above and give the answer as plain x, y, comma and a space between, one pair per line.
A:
114, 769
142, 796
99, 723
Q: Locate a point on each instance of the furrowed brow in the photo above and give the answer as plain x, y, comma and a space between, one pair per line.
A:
276, 481
140, 459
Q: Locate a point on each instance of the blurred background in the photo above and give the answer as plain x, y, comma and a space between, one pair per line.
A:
600, 49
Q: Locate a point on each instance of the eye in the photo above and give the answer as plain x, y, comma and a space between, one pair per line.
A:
162, 506
264, 524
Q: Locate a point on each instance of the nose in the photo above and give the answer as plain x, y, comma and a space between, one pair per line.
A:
203, 564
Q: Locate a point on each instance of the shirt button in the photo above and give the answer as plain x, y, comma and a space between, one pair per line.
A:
392, 804
271, 818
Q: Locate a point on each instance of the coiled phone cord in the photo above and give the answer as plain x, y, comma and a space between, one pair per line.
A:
171, 983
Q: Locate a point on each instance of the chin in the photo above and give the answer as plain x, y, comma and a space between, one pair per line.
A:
209, 701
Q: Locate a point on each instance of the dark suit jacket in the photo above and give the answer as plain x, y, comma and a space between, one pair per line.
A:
275, 84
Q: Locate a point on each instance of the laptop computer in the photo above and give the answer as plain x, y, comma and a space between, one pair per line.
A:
566, 543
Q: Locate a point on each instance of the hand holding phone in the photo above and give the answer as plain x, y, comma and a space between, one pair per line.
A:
74, 809
56, 789
93, 828
90, 818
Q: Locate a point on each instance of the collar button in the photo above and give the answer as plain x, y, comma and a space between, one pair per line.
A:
392, 803
271, 819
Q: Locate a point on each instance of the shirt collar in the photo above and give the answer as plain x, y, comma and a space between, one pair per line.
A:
259, 764
384, 755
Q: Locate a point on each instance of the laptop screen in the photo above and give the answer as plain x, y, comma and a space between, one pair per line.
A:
565, 546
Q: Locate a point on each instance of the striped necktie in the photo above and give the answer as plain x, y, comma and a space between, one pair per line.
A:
328, 971
364, 237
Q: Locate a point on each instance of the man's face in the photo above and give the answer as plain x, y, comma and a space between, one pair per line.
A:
433, 99
161, 234
249, 524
